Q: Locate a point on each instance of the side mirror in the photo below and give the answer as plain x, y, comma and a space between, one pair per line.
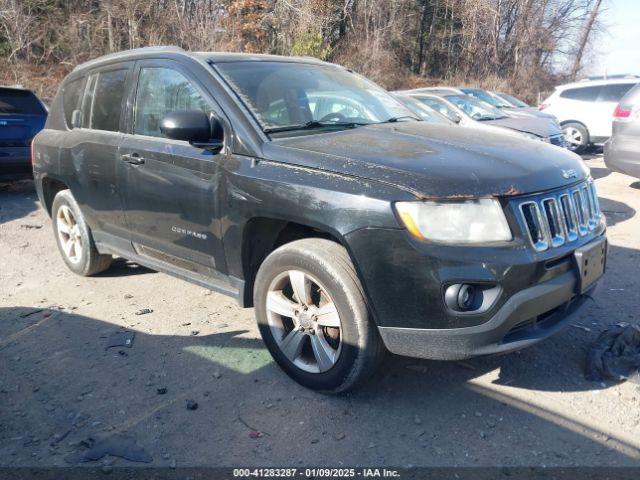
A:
195, 127
455, 118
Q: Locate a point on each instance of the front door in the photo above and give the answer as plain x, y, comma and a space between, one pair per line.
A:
170, 188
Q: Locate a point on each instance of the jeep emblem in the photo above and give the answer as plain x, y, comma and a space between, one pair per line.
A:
571, 173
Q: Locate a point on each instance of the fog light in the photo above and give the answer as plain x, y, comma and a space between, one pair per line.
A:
466, 297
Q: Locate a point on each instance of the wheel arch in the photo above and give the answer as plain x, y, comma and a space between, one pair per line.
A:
262, 235
50, 188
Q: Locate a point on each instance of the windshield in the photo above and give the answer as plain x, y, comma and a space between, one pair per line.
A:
299, 95
486, 97
423, 111
516, 102
20, 102
476, 109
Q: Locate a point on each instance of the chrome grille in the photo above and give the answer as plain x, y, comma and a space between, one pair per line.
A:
558, 140
560, 217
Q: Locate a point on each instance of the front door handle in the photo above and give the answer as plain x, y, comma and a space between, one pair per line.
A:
132, 158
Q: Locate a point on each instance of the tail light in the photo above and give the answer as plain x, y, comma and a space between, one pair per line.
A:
542, 106
621, 112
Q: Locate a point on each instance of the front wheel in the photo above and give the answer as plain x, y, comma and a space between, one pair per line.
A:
577, 136
313, 316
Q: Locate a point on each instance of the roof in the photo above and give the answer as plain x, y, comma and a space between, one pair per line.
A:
215, 57
222, 57
15, 87
430, 93
597, 83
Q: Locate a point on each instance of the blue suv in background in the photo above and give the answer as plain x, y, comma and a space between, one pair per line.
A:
22, 116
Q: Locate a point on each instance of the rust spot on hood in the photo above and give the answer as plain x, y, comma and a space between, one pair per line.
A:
509, 193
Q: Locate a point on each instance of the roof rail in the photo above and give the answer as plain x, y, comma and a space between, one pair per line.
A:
133, 51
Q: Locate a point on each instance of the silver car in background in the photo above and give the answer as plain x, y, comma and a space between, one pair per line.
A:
622, 150
471, 112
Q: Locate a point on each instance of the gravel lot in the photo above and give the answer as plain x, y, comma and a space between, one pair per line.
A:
60, 386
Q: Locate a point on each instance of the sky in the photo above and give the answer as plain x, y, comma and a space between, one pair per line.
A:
618, 49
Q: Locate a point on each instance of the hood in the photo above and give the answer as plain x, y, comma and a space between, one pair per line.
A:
434, 161
543, 127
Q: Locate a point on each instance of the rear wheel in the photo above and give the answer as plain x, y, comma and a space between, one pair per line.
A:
577, 136
313, 317
74, 238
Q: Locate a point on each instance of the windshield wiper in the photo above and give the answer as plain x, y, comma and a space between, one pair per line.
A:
396, 119
313, 124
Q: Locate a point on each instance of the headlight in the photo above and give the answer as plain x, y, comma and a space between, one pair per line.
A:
471, 221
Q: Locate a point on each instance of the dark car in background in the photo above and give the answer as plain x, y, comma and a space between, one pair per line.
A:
622, 150
22, 116
311, 194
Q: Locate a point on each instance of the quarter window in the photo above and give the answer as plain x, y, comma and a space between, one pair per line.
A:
104, 95
614, 92
161, 91
70, 98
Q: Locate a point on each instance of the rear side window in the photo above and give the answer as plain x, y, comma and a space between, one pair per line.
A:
71, 98
585, 94
20, 102
161, 91
102, 102
632, 98
614, 92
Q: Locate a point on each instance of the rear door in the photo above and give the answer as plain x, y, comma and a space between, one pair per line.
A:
170, 188
92, 152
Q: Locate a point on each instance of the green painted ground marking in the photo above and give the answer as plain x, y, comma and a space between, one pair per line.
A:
241, 360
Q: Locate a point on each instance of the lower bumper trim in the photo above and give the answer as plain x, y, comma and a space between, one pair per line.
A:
526, 318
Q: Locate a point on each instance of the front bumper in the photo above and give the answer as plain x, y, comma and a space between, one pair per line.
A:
526, 318
405, 283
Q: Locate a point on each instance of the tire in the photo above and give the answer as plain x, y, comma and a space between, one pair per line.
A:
329, 359
74, 238
577, 135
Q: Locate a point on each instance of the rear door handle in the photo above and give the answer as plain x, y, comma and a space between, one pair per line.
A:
132, 158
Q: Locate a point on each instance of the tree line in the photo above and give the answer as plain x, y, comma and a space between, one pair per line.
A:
521, 46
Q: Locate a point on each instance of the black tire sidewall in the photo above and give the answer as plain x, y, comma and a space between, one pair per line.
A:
65, 198
342, 295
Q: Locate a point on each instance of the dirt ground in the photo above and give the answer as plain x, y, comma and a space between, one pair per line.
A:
61, 387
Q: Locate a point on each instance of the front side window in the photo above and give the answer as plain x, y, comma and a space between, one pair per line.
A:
161, 91
476, 109
441, 107
282, 94
486, 97
107, 93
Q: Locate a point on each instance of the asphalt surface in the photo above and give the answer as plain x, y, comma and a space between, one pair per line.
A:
60, 387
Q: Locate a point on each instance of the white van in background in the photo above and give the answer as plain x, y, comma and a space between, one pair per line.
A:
585, 109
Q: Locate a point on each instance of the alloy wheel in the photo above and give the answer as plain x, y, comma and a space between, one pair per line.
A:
304, 321
573, 136
69, 234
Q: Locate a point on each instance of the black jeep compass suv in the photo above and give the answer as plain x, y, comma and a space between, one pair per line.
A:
311, 194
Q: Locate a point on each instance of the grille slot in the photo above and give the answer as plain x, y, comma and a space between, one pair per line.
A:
561, 217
